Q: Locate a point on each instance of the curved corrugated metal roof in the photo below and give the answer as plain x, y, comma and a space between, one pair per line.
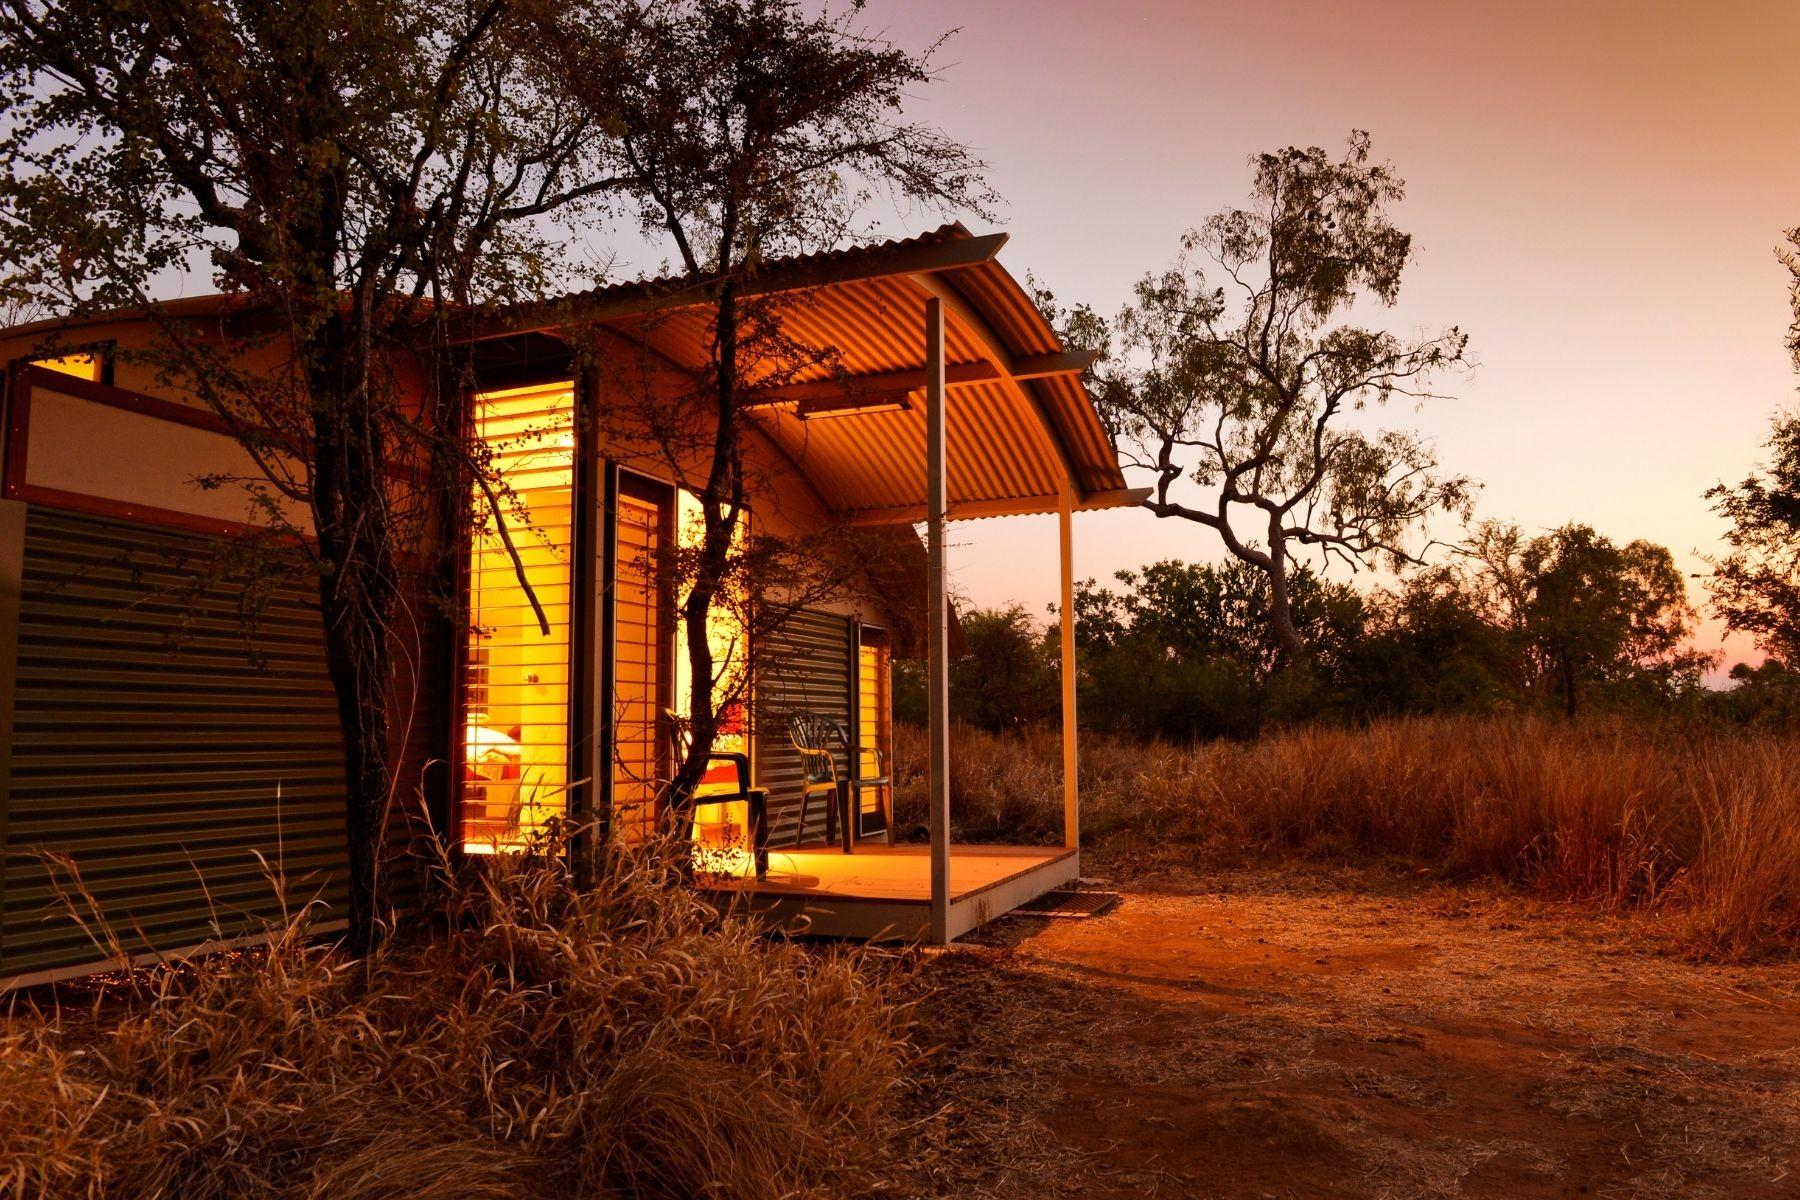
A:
861, 312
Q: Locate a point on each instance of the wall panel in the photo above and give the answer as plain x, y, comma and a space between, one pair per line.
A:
159, 749
806, 665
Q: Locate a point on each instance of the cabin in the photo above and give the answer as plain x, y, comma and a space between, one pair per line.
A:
184, 776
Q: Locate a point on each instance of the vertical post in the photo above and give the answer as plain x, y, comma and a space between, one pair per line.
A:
586, 645
937, 608
1071, 776
606, 674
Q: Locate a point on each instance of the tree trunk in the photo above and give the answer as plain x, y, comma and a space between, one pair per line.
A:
357, 597
356, 621
1567, 671
722, 503
1281, 611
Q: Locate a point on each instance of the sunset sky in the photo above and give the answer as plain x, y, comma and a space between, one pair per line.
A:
1595, 192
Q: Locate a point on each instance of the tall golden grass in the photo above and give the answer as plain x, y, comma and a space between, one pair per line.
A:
543, 1041
1701, 824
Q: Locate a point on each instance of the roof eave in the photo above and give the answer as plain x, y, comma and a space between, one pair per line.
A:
959, 249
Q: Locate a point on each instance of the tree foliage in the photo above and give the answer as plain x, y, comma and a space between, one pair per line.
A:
1755, 584
1234, 373
1586, 612
1008, 680
1196, 643
1432, 643
1789, 257
1196, 610
1565, 620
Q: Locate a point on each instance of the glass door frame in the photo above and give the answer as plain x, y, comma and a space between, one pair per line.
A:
885, 724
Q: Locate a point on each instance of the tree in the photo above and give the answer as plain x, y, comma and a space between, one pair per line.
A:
1755, 585
1789, 257
1183, 650
1008, 678
1766, 695
1222, 610
1585, 611
348, 169
1432, 643
748, 130
1004, 681
1231, 376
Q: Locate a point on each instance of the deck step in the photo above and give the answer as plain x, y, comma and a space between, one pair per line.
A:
1072, 903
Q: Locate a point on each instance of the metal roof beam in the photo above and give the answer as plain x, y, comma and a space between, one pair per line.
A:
1011, 506
1034, 366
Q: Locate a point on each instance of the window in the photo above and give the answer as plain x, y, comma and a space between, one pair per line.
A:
81, 366
515, 685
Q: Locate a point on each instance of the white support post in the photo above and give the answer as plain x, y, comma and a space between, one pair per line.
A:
1071, 775
937, 608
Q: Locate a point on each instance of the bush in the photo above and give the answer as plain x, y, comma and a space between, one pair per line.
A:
545, 1042
1701, 823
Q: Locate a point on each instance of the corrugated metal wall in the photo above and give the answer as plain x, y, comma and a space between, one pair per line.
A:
805, 666
153, 748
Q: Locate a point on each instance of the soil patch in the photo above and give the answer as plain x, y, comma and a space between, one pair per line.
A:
1282, 1034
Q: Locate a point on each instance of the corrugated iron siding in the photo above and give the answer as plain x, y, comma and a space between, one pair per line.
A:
153, 749
806, 666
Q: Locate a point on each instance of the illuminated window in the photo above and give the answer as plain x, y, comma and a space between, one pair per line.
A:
516, 677
81, 366
717, 824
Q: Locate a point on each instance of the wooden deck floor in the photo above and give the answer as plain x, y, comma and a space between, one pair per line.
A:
884, 892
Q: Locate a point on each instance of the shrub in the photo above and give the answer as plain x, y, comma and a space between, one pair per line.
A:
543, 1042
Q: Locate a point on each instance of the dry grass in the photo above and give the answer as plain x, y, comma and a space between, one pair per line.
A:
544, 1042
1702, 825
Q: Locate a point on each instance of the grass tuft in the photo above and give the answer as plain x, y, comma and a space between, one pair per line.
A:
1703, 825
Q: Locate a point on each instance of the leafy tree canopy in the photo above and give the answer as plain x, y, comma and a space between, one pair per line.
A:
1587, 611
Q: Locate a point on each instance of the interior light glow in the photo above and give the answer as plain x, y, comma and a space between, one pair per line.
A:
515, 684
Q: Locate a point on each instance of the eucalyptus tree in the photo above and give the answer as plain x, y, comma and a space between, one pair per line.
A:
1236, 377
347, 170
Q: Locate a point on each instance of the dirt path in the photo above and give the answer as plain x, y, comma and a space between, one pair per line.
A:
1297, 1036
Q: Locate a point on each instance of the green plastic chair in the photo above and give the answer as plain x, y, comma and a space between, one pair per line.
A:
812, 734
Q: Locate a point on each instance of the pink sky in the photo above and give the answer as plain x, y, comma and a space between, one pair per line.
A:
1595, 192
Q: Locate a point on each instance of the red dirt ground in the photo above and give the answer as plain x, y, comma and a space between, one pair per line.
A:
1301, 1035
